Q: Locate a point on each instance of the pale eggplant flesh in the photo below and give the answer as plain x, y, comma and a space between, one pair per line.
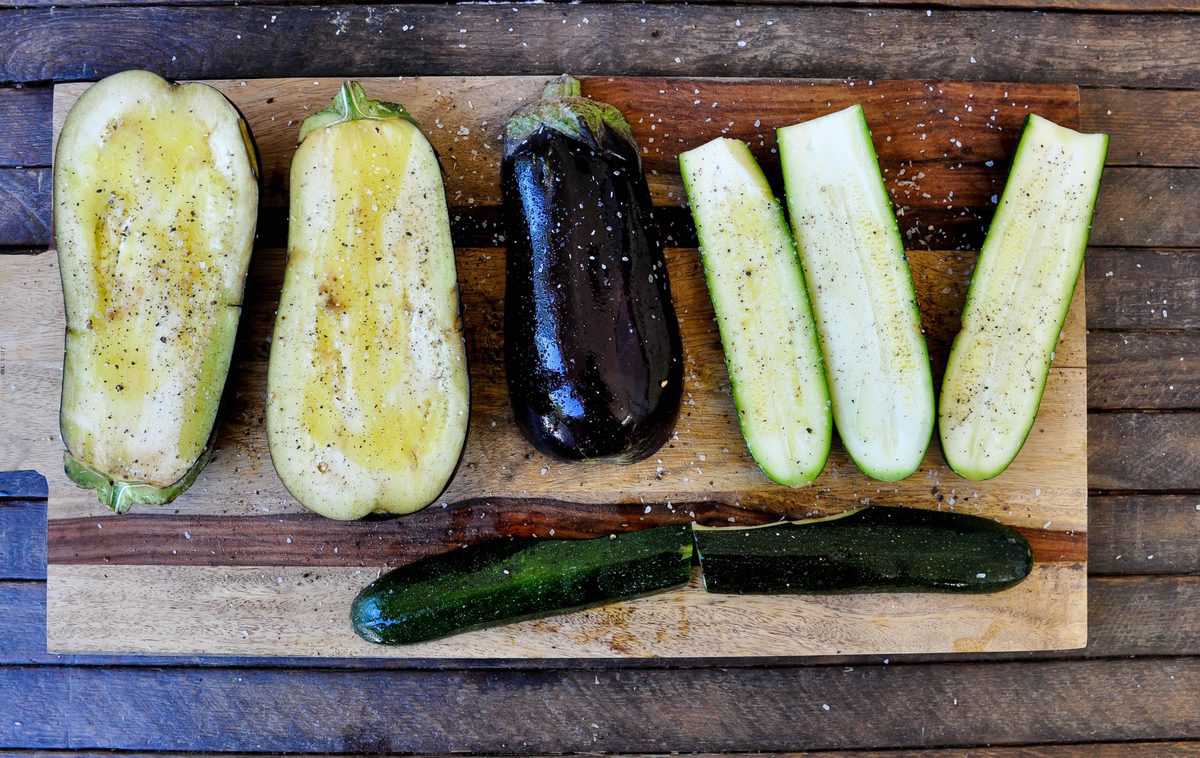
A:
155, 205
591, 341
368, 393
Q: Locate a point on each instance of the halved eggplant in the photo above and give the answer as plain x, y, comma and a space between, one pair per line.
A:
367, 387
155, 203
591, 342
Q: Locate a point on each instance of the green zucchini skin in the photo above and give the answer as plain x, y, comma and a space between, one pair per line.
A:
1020, 293
509, 580
875, 549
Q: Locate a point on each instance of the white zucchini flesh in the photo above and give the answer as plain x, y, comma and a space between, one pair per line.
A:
368, 393
861, 291
155, 204
762, 309
1018, 299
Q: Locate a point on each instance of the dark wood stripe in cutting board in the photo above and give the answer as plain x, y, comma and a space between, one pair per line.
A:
310, 540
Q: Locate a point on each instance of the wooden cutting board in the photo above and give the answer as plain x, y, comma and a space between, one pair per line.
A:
235, 566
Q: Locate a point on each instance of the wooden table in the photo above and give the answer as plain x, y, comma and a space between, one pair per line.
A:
1134, 689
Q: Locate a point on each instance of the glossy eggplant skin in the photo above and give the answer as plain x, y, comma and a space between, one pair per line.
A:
591, 341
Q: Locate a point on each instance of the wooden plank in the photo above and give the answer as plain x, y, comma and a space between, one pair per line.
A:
706, 462
953, 131
1102, 49
1143, 534
1146, 127
22, 622
25, 140
24, 207
1144, 451
694, 710
304, 539
22, 485
1131, 288
1148, 207
960, 133
1110, 6
1071, 750
1138, 207
297, 610
1140, 534
944, 201
22, 539
1147, 370
1128, 615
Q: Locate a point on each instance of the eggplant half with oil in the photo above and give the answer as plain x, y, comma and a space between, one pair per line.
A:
591, 341
155, 204
367, 389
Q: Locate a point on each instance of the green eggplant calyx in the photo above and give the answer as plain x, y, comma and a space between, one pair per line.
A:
562, 86
352, 104
119, 496
564, 109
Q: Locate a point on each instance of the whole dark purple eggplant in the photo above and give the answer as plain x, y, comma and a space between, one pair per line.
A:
591, 342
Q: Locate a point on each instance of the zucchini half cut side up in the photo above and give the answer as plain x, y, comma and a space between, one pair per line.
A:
155, 203
1019, 297
862, 293
367, 387
763, 313
872, 549
504, 581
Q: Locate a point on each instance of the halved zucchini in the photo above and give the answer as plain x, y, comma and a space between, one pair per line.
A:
862, 293
1019, 296
766, 324
367, 386
503, 581
155, 202
872, 549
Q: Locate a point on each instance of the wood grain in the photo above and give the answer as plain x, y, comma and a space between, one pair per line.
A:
212, 42
1044, 492
24, 206
25, 140
1127, 615
1126, 194
493, 711
706, 460
298, 610
1146, 127
1112, 6
1070, 750
1149, 370
1144, 534
22, 539
1166, 455
304, 539
970, 124
1131, 288
22, 484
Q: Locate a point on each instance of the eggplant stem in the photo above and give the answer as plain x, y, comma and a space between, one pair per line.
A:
562, 86
352, 104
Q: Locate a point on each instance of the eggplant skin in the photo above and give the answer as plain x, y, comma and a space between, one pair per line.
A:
155, 204
591, 341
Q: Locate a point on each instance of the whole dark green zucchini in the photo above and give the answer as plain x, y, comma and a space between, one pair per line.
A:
504, 581
874, 549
